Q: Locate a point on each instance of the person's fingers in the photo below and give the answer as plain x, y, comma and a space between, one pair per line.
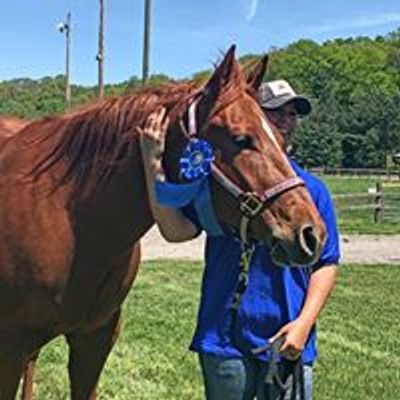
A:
161, 113
158, 114
289, 350
162, 122
279, 334
149, 123
150, 127
156, 119
165, 124
285, 346
291, 355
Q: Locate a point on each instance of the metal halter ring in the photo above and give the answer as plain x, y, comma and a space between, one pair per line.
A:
250, 204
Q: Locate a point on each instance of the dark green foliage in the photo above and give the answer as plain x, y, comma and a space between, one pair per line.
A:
318, 139
26, 98
355, 85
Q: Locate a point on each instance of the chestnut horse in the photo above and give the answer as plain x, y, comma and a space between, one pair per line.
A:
74, 206
9, 126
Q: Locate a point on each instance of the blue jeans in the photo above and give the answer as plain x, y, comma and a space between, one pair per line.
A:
242, 379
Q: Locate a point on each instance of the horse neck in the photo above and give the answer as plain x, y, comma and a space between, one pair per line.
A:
118, 214
9, 126
119, 201
113, 208
122, 202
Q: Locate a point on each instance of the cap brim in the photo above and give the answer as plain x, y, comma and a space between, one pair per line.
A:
302, 104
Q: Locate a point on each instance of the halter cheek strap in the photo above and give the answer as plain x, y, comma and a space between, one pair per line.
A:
192, 119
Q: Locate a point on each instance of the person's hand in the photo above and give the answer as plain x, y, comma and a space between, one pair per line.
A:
295, 335
152, 136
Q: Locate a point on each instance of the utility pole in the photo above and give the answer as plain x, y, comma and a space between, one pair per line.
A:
65, 27
146, 40
100, 54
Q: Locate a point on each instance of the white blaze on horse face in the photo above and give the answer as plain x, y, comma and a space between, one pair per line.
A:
271, 135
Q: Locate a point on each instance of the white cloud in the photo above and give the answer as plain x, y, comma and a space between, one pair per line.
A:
250, 7
360, 22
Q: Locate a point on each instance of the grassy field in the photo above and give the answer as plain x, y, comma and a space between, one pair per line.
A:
359, 339
361, 220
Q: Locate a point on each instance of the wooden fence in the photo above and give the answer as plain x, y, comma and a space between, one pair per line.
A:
383, 203
386, 174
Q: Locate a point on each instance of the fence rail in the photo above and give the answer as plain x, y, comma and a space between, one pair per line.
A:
383, 203
388, 174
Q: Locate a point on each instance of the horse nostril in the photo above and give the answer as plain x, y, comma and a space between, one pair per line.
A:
308, 240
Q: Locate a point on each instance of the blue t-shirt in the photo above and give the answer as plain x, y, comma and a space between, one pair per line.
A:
274, 295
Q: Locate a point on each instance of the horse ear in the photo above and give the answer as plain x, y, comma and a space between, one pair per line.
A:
225, 71
256, 75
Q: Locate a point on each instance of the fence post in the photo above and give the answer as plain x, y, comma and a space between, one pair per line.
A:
378, 210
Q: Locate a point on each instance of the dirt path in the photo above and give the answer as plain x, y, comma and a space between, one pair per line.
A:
360, 249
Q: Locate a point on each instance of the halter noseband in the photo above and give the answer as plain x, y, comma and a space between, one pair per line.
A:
251, 204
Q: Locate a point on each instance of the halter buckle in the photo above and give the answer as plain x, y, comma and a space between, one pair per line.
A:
250, 204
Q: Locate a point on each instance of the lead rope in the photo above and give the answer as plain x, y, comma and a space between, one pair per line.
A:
273, 377
243, 278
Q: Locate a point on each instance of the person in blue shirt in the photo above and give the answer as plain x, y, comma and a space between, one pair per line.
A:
280, 304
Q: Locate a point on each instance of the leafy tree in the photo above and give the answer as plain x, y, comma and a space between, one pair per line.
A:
318, 140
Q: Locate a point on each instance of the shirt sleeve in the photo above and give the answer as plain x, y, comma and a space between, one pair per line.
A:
331, 251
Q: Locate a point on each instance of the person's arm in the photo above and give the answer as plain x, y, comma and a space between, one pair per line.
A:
322, 280
297, 331
173, 225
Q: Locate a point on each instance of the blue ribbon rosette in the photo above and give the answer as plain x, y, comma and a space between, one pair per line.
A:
196, 159
195, 166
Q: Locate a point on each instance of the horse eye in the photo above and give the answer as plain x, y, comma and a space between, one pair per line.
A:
244, 141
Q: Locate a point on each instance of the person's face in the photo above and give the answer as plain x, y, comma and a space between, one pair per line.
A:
285, 118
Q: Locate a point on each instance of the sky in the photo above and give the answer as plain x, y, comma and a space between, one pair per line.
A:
186, 36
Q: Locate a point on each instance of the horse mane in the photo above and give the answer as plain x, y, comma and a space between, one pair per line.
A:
93, 141
10, 125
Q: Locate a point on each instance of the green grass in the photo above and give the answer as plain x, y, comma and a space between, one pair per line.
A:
359, 220
359, 336
338, 185
359, 339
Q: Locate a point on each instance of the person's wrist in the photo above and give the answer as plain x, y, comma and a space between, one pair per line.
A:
306, 322
156, 164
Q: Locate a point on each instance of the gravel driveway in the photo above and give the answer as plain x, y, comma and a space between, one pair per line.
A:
360, 249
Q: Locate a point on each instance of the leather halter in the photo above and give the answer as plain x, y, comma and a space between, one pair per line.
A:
251, 204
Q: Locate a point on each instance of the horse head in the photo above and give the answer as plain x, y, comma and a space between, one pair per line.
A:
254, 188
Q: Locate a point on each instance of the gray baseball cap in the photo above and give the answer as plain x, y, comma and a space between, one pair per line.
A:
275, 94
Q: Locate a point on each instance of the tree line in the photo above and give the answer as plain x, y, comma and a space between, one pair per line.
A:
354, 85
